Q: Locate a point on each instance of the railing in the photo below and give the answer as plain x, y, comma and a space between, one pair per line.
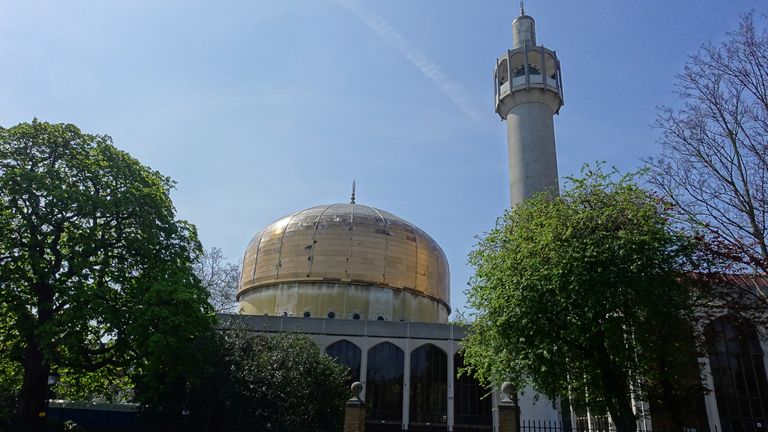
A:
472, 428
296, 428
596, 424
427, 427
535, 81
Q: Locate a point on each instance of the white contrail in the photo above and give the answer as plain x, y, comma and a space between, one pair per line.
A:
431, 70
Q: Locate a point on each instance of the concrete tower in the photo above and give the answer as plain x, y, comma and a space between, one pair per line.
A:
528, 92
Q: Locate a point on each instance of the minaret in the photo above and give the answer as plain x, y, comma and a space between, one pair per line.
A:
528, 92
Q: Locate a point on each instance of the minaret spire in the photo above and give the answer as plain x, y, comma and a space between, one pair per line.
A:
523, 29
528, 91
352, 201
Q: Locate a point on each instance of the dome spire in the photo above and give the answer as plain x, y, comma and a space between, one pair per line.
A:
352, 201
523, 30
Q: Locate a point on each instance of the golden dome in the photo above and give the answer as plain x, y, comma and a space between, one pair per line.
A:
312, 253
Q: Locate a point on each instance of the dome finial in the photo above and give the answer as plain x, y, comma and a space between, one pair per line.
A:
522, 8
352, 201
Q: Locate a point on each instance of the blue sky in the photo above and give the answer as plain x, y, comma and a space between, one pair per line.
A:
261, 108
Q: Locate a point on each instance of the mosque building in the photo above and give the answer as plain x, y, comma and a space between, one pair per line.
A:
372, 290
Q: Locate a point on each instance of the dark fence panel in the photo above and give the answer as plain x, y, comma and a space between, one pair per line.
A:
301, 428
104, 420
96, 420
472, 428
427, 427
382, 426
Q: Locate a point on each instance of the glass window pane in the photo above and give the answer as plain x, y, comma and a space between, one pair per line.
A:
348, 354
472, 402
429, 385
738, 372
384, 384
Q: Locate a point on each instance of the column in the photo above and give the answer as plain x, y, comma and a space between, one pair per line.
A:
710, 400
509, 412
451, 378
407, 384
764, 347
364, 345
354, 413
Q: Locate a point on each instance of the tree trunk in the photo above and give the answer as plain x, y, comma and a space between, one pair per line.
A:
565, 414
672, 403
34, 390
623, 416
616, 383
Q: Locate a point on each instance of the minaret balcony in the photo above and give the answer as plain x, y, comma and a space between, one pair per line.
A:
534, 81
527, 74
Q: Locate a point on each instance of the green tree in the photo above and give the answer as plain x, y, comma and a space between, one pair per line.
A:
580, 296
10, 370
89, 246
109, 384
258, 379
175, 347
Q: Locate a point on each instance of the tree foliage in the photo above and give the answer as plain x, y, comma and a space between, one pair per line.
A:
92, 257
285, 380
173, 341
10, 370
258, 381
714, 161
109, 384
579, 296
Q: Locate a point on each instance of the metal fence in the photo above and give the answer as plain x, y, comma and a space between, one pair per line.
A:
374, 426
472, 428
603, 424
596, 424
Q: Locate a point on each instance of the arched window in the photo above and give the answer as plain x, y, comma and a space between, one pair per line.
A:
501, 72
533, 70
738, 372
472, 402
384, 384
429, 385
348, 354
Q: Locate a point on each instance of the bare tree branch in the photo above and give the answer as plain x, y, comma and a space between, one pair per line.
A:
220, 278
714, 162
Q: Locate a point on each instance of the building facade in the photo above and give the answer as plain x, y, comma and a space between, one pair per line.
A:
373, 291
